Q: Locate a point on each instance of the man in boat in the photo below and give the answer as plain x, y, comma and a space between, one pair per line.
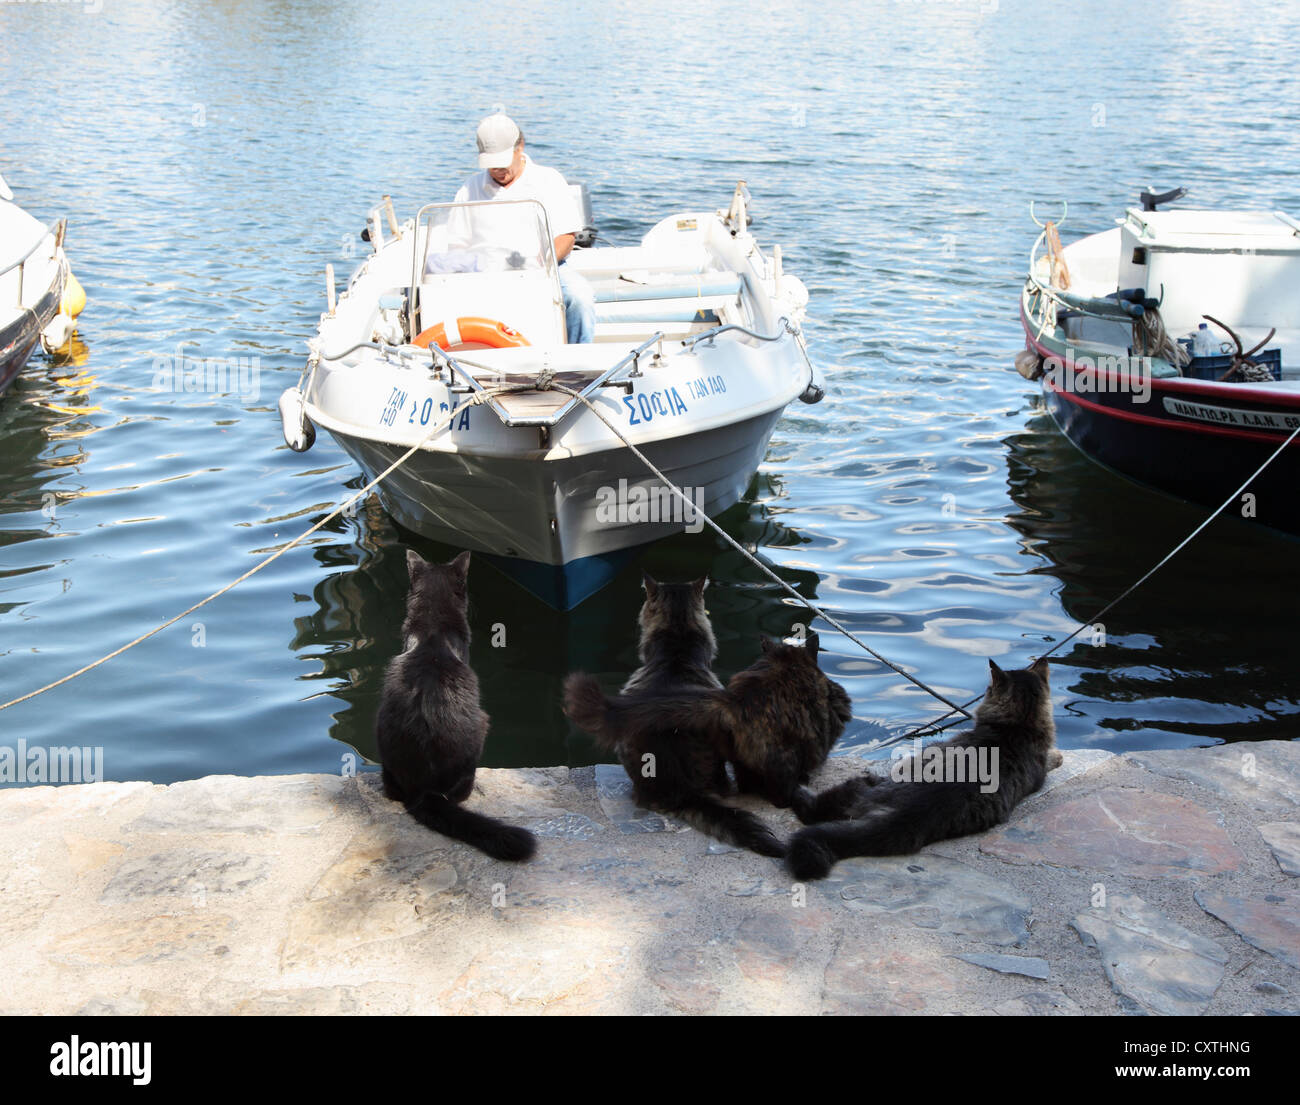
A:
507, 173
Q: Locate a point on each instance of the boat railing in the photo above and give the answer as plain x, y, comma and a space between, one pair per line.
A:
55, 228
605, 379
460, 367
709, 335
1113, 310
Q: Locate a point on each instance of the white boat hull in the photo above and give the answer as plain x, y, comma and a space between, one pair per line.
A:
533, 478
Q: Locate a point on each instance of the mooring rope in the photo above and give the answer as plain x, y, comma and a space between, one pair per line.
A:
474, 400
934, 727
547, 382
750, 556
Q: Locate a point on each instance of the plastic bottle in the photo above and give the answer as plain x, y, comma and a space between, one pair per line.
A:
1203, 343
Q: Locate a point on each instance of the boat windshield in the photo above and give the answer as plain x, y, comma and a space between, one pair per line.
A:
487, 236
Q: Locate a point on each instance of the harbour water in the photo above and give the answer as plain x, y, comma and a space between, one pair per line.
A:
211, 159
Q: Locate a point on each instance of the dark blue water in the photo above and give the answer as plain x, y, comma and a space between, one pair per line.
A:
212, 158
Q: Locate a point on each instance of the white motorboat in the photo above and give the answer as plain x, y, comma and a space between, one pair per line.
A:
39, 297
698, 349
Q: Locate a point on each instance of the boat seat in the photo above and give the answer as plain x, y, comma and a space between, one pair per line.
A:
656, 299
636, 287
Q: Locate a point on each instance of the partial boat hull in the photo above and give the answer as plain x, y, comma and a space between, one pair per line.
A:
1192, 439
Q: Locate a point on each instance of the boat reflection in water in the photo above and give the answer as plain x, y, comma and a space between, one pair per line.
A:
1204, 648
523, 648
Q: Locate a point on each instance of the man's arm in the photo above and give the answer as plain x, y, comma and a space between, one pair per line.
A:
563, 247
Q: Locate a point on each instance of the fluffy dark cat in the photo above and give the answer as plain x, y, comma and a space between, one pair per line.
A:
430, 728
781, 717
669, 748
677, 647
898, 816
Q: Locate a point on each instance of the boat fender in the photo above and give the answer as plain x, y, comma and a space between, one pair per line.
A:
813, 393
74, 297
57, 332
1029, 364
485, 331
299, 433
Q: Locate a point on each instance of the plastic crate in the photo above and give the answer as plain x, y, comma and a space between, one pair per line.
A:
1211, 368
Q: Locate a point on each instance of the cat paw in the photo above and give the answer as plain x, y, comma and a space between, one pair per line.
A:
770, 845
808, 858
1054, 760
803, 801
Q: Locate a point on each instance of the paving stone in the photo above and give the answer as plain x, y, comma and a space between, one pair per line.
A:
772, 942
863, 983
379, 889
575, 972
321, 896
1038, 1003
1119, 829
687, 980
752, 887
933, 892
1283, 837
226, 804
1026, 965
1075, 762
1268, 921
1154, 962
1264, 775
187, 935
89, 854
190, 874
614, 792
571, 826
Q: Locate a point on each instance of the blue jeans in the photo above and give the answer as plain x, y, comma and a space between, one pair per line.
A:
579, 306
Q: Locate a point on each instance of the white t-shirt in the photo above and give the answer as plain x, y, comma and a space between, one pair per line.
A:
476, 227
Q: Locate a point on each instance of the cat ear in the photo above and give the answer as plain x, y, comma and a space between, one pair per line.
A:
999, 676
698, 586
765, 643
414, 561
1039, 668
460, 564
812, 642
651, 587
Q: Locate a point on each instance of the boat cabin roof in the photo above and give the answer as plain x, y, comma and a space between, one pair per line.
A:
1198, 231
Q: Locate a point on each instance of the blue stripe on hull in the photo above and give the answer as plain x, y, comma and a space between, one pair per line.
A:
564, 586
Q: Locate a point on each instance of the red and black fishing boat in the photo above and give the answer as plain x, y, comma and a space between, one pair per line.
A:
1168, 350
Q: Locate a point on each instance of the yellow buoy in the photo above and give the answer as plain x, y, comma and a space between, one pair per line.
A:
74, 297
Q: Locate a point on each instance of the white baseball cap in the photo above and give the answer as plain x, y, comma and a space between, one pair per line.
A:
497, 135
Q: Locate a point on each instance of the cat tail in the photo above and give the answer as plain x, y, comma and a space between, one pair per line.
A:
496, 838
587, 707
730, 825
881, 832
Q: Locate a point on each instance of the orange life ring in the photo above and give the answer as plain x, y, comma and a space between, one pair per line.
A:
485, 331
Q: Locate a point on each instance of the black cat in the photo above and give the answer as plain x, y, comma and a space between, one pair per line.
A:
430, 728
675, 756
1014, 734
782, 716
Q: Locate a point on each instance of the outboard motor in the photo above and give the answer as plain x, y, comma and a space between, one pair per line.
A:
1151, 200
585, 237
